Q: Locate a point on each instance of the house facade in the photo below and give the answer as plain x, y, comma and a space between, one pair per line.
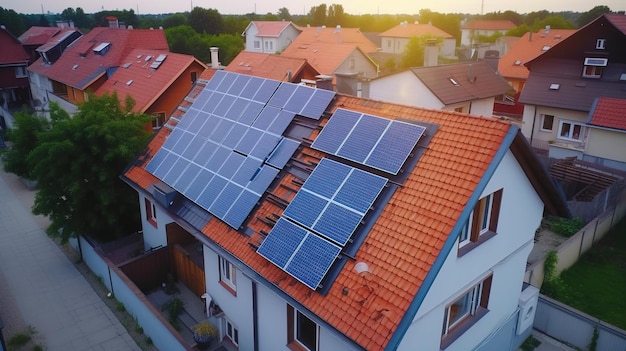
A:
470, 88
269, 37
311, 244
471, 30
394, 40
13, 76
563, 85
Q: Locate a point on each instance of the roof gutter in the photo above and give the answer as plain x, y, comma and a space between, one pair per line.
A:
411, 312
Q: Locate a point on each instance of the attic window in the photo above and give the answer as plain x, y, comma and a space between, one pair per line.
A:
545, 48
102, 48
555, 86
517, 63
622, 77
600, 44
127, 64
594, 67
75, 67
595, 61
454, 82
158, 61
129, 82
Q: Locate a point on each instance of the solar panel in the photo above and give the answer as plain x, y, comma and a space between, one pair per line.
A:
337, 223
312, 260
251, 88
231, 165
363, 138
224, 105
156, 160
283, 152
175, 171
360, 190
187, 177
299, 99
206, 152
165, 166
173, 138
281, 122
266, 117
215, 80
197, 123
234, 136
249, 140
335, 131
247, 170
213, 101
187, 119
236, 109
218, 158
266, 144
221, 130
395, 146
251, 112
226, 83
197, 186
194, 147
239, 84
266, 90
241, 208
281, 243
211, 192
262, 180
226, 198
318, 103
282, 94
327, 178
201, 99
305, 208
211, 122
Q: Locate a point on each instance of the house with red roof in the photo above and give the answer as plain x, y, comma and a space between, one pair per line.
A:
469, 87
269, 37
332, 222
277, 67
156, 80
606, 127
36, 36
564, 85
13, 76
336, 35
471, 30
394, 40
87, 63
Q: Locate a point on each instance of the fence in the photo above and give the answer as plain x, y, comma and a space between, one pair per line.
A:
576, 328
125, 291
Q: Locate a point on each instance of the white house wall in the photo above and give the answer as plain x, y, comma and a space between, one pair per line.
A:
504, 255
404, 88
608, 144
532, 123
278, 44
153, 237
393, 45
482, 107
357, 62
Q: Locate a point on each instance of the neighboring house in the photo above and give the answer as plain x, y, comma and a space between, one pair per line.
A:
337, 35
511, 65
36, 36
269, 36
470, 87
606, 126
87, 64
332, 58
13, 75
311, 243
564, 83
394, 40
277, 67
471, 30
157, 80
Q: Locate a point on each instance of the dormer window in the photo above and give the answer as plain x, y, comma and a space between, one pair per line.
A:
594, 67
102, 48
600, 44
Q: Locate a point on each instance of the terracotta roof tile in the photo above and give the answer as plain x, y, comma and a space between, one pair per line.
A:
337, 35
432, 198
267, 65
325, 57
410, 30
38, 35
608, 113
270, 28
12, 51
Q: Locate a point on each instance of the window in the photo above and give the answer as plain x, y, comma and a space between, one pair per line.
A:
594, 67
232, 332
303, 333
388, 43
151, 215
227, 275
20, 72
269, 45
547, 123
482, 224
257, 44
194, 77
466, 310
571, 131
600, 44
159, 120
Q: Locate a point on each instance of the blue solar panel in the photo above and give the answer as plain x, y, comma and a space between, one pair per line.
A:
165, 165
262, 179
237, 109
240, 210
175, 172
234, 136
363, 138
194, 147
226, 83
197, 186
251, 88
187, 177
266, 90
206, 152
222, 108
281, 122
266, 117
197, 123
327, 178
201, 99
214, 100
218, 158
221, 131
187, 119
212, 190
395, 146
312, 260
209, 125
337, 223
266, 144
283, 152
239, 84
215, 80
249, 140
281, 243
156, 160
231, 165
173, 138
251, 112
226, 198
318, 103
299, 99
282, 94
360, 190
305, 208
247, 170
335, 131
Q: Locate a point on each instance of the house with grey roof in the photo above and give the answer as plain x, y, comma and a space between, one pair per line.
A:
566, 86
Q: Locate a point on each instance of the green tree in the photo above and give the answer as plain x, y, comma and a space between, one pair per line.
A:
43, 21
318, 15
335, 15
205, 20
554, 21
77, 164
413, 55
519, 30
127, 16
24, 137
14, 22
283, 14
175, 20
592, 14
534, 16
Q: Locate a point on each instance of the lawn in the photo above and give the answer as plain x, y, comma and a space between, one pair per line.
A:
596, 284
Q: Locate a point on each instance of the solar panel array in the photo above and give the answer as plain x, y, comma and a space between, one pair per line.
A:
369, 140
326, 211
228, 147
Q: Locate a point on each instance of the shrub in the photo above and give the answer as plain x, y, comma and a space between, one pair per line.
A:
566, 227
553, 285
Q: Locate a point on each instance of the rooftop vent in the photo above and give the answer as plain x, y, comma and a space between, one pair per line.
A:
454, 82
129, 82
545, 48
517, 63
75, 67
555, 86
159, 60
127, 64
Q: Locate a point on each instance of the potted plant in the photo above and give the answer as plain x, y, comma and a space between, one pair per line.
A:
204, 333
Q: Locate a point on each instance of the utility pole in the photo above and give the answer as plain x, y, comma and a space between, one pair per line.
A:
482, 7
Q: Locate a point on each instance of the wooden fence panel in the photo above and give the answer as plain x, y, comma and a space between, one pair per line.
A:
188, 272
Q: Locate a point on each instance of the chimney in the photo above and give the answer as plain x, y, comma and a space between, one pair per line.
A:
530, 36
431, 53
215, 63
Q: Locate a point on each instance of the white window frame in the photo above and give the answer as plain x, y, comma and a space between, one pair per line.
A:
20, 72
158, 121
464, 238
543, 122
473, 296
600, 43
486, 213
231, 331
227, 273
151, 215
257, 44
572, 126
296, 321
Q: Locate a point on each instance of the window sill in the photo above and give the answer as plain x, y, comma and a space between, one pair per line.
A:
228, 287
460, 329
153, 222
473, 244
295, 346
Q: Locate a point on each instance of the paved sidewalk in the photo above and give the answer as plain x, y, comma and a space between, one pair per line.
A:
39, 286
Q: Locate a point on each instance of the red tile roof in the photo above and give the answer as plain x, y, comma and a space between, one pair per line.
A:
147, 84
38, 35
410, 30
619, 21
266, 65
12, 50
502, 25
270, 28
325, 57
406, 238
511, 64
337, 35
608, 113
79, 66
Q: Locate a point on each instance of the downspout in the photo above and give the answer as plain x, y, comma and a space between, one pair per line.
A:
470, 109
532, 130
255, 318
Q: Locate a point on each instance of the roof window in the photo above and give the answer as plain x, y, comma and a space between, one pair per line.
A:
454, 82
545, 48
102, 48
555, 86
517, 62
129, 82
158, 61
596, 61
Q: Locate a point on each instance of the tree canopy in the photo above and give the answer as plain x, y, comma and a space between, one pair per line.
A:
24, 138
77, 164
208, 21
413, 55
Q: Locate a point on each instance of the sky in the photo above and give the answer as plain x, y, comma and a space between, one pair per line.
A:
298, 7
